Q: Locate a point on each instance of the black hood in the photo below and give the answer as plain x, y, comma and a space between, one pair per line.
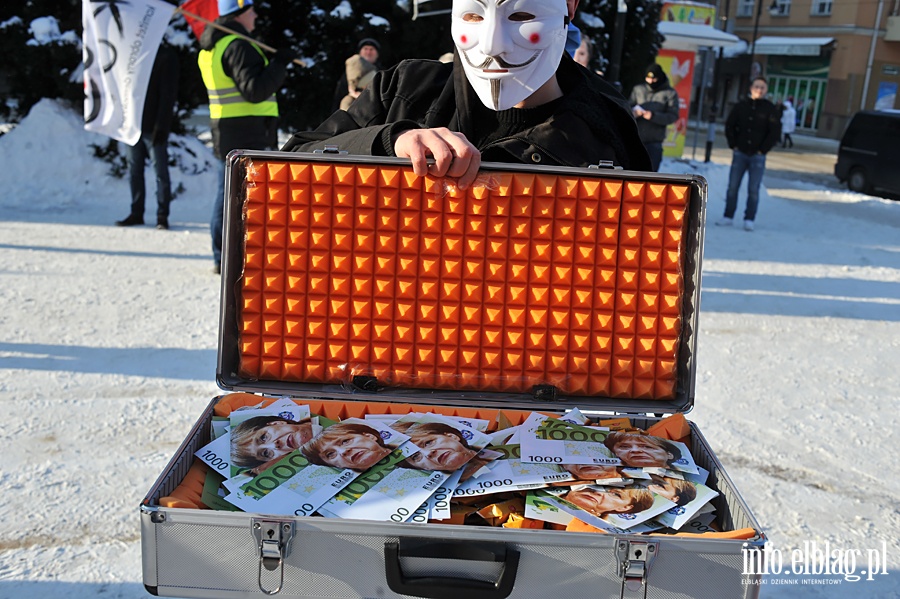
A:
662, 80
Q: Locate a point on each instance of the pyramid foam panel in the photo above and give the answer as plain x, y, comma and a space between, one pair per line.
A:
523, 280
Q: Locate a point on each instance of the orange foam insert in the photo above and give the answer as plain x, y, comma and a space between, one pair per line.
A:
529, 279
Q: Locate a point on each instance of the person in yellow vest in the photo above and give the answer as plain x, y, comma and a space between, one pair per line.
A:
241, 82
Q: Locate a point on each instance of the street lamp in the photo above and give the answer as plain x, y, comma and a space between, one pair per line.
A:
773, 10
615, 58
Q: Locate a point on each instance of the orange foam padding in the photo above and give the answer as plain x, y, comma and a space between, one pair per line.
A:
187, 493
673, 428
577, 525
573, 281
338, 410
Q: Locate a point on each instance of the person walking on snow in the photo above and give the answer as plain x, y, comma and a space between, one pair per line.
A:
654, 105
241, 83
788, 123
752, 129
156, 123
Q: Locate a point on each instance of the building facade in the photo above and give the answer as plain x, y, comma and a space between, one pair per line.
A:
832, 58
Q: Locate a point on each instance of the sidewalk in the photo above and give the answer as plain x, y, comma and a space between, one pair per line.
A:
810, 159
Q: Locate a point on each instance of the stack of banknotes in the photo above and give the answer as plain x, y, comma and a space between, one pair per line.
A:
424, 467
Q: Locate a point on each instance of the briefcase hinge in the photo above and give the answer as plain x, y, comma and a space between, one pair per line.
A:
273, 537
633, 560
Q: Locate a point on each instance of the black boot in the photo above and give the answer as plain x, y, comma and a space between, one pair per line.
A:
130, 221
162, 223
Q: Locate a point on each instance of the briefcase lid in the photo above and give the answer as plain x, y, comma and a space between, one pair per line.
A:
537, 288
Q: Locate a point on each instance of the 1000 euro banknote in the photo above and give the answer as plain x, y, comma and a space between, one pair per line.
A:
387, 491
509, 473
292, 486
547, 440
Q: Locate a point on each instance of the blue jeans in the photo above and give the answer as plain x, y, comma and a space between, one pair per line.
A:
217, 222
740, 164
136, 156
655, 149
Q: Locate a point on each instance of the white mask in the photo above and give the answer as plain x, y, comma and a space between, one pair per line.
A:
509, 48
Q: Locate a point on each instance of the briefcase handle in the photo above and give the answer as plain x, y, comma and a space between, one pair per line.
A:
446, 587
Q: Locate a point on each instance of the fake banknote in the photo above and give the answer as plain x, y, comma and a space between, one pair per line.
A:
509, 473
549, 440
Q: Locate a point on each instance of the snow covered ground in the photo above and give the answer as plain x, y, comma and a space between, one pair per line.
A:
108, 345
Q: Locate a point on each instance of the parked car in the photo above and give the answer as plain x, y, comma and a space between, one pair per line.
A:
869, 154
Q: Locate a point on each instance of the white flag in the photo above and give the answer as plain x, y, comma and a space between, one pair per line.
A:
121, 38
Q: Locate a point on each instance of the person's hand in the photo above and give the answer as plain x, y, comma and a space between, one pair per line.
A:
647, 115
285, 55
454, 155
637, 111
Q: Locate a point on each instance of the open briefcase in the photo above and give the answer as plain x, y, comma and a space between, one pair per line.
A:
355, 287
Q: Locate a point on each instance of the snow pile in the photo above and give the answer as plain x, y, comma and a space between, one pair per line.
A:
50, 165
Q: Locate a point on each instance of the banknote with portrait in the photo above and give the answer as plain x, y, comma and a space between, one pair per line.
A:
621, 508
689, 498
507, 472
549, 440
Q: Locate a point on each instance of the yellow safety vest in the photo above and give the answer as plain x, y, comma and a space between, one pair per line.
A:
225, 101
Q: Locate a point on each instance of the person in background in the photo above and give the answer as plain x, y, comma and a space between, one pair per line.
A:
359, 73
511, 95
241, 82
654, 105
752, 128
156, 123
369, 50
584, 52
788, 122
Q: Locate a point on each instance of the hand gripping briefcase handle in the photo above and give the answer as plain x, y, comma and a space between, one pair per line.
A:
446, 587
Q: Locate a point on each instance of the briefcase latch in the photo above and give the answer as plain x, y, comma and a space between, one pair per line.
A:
633, 560
273, 537
606, 164
330, 149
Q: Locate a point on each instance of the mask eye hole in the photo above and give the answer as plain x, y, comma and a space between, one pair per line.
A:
471, 17
520, 17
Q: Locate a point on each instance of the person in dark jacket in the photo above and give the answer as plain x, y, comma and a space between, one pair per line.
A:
752, 128
506, 97
156, 123
655, 106
241, 83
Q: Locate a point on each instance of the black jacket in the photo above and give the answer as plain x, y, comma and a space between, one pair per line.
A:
753, 126
591, 123
256, 81
662, 102
162, 91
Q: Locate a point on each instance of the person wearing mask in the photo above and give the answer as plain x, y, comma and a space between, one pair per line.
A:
654, 105
752, 128
156, 123
511, 95
241, 82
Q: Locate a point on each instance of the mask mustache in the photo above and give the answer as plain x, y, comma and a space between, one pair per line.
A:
489, 60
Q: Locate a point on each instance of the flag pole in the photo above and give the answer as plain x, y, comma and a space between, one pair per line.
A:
230, 31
